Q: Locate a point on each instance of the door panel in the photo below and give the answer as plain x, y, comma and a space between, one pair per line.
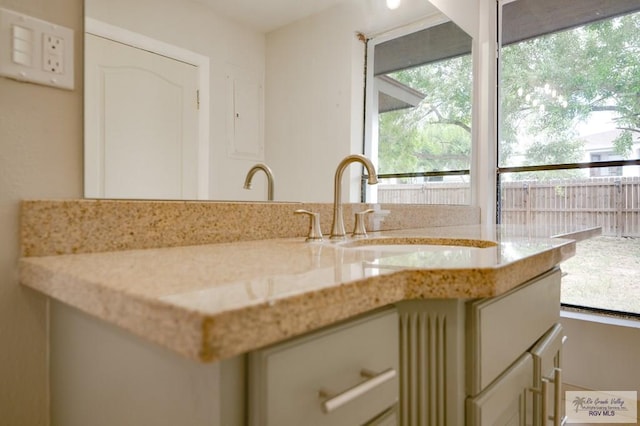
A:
506, 401
141, 123
547, 362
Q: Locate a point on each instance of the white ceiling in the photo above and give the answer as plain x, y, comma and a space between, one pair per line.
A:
267, 15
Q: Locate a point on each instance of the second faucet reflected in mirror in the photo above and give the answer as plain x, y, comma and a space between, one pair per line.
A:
267, 171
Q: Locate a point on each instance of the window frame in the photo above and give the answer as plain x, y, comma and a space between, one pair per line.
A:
547, 167
590, 165
371, 123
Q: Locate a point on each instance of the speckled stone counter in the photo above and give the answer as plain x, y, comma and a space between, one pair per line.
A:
215, 300
50, 227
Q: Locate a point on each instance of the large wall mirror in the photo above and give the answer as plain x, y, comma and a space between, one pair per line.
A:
184, 97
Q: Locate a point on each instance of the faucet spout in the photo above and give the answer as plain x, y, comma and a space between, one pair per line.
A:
337, 229
267, 171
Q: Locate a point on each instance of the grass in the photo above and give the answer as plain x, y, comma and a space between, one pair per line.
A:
605, 274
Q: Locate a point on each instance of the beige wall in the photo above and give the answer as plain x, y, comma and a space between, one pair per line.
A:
314, 103
309, 105
601, 353
40, 156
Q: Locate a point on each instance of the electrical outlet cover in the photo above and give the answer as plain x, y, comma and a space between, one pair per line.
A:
52, 63
52, 44
49, 56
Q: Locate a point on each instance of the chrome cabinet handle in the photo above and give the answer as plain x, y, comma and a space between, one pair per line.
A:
557, 419
545, 391
557, 397
542, 392
557, 401
373, 380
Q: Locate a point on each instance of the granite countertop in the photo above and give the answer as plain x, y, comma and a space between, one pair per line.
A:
213, 301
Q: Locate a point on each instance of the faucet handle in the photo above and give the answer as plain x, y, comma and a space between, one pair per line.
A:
315, 233
359, 230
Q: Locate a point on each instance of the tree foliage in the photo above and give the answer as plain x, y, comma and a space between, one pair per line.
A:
548, 86
436, 134
552, 83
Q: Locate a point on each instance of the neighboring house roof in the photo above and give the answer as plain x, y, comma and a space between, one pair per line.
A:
394, 95
603, 141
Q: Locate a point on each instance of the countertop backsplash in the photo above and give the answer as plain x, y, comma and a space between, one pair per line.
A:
55, 227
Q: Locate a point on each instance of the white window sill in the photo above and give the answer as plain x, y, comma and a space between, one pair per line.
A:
600, 318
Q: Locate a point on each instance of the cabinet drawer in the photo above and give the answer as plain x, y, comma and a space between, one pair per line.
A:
503, 327
388, 418
290, 382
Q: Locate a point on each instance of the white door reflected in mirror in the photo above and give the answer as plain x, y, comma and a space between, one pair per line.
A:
141, 122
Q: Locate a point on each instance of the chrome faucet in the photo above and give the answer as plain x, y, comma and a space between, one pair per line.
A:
267, 171
337, 229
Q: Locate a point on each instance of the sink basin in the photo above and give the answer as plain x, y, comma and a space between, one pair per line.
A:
416, 242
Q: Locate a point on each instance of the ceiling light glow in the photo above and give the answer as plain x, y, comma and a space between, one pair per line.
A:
393, 4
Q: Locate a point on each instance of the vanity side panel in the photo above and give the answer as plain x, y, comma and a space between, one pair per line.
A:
101, 375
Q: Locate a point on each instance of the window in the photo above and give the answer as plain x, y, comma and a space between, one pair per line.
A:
605, 171
419, 110
569, 137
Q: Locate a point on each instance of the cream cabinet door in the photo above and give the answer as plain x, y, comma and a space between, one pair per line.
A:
547, 361
508, 400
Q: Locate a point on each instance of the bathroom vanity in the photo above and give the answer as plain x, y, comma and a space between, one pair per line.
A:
439, 325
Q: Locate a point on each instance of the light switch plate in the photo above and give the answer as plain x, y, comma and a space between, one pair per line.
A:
35, 50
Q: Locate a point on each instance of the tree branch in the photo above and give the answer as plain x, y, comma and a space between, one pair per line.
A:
442, 120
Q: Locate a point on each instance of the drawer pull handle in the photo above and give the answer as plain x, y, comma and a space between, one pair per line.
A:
373, 380
557, 397
543, 409
542, 393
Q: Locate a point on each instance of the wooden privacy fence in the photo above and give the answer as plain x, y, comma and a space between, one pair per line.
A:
612, 202
427, 193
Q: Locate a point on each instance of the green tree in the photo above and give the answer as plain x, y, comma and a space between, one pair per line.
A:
552, 83
436, 134
430, 147
549, 85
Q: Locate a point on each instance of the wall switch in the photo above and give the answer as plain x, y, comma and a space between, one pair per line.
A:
35, 50
23, 47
